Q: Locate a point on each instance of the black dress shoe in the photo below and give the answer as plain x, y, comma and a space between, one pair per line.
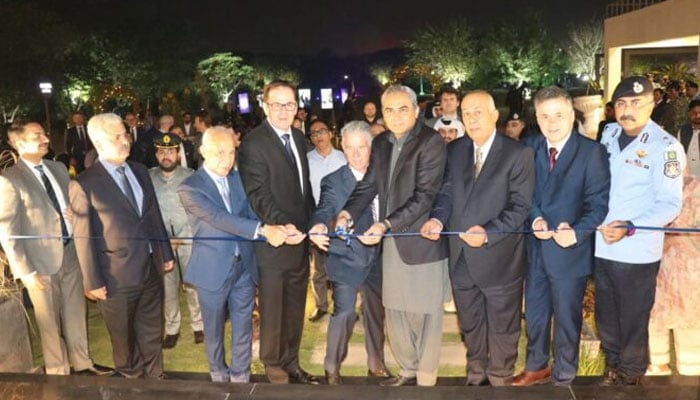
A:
399, 381
303, 377
96, 370
333, 378
317, 315
382, 373
198, 337
170, 341
625, 380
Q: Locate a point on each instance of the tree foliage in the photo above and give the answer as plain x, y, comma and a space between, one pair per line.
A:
224, 73
584, 42
519, 50
448, 49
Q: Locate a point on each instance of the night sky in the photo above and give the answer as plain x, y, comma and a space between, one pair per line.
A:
304, 27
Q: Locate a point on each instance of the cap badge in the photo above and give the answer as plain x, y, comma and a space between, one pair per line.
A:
637, 88
166, 139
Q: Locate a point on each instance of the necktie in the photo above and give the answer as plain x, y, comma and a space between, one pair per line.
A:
226, 197
128, 190
54, 201
288, 147
224, 191
479, 162
81, 130
552, 157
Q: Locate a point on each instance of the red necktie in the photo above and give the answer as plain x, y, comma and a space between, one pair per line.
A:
552, 157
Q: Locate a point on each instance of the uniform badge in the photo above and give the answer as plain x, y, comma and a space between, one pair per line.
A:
166, 139
670, 155
641, 153
644, 138
637, 88
672, 169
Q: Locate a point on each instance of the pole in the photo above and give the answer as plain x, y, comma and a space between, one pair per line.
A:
48, 117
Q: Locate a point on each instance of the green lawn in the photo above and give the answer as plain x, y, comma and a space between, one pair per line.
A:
188, 356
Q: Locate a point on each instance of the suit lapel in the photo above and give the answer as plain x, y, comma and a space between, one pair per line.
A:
34, 184
276, 143
209, 187
468, 167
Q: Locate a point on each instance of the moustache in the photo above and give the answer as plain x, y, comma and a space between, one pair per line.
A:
628, 118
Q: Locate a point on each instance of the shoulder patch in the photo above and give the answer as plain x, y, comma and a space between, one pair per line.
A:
672, 169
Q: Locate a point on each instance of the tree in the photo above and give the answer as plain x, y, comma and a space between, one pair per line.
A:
224, 73
585, 41
448, 49
519, 51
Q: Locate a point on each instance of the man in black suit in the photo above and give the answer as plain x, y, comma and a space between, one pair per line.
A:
406, 168
351, 266
275, 174
131, 123
78, 142
123, 248
689, 136
487, 193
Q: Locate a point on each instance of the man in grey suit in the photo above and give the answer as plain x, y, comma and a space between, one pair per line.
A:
35, 198
405, 171
351, 266
487, 193
123, 249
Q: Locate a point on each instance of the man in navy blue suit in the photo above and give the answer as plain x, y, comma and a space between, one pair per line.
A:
351, 266
224, 271
571, 200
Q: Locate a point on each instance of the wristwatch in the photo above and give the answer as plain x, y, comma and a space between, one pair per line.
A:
387, 224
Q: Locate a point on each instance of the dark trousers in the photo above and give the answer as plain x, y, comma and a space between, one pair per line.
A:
624, 296
134, 318
562, 298
489, 319
282, 299
319, 279
342, 321
236, 298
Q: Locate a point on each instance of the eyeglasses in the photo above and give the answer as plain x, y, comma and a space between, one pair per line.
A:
277, 107
318, 132
635, 104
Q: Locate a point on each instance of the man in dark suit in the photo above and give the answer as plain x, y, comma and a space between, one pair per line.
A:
77, 141
275, 174
571, 200
689, 136
131, 123
354, 266
123, 249
486, 193
224, 271
405, 171
35, 201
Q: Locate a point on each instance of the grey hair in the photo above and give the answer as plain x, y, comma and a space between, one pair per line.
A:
97, 125
361, 127
402, 89
552, 92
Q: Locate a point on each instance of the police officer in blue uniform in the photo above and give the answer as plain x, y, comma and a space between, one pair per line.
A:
646, 165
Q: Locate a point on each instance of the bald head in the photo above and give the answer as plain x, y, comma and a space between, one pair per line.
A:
479, 115
218, 149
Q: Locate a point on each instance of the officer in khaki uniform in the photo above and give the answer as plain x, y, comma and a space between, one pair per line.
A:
166, 177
